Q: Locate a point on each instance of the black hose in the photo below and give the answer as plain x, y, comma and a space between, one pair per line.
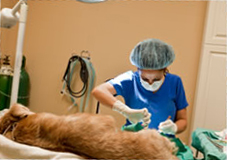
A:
84, 75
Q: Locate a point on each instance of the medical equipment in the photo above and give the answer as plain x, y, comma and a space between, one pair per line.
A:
6, 73
133, 127
24, 85
6, 76
139, 126
207, 142
83, 76
9, 18
152, 54
87, 76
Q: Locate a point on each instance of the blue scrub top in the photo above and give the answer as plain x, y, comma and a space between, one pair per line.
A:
163, 103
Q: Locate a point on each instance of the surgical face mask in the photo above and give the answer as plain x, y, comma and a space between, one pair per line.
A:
153, 87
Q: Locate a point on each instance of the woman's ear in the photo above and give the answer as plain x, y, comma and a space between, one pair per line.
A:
166, 70
19, 111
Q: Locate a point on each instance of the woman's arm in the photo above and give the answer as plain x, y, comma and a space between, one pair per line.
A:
104, 94
181, 120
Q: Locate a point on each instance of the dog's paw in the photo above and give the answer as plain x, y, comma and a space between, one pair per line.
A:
19, 111
3, 112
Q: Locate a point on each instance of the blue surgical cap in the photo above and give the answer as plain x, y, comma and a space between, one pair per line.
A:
152, 54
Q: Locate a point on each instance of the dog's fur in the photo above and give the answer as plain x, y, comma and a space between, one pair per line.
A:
93, 136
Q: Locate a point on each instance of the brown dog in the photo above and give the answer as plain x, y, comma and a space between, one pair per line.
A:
93, 136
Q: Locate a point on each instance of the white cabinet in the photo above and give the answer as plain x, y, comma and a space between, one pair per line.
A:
210, 98
215, 33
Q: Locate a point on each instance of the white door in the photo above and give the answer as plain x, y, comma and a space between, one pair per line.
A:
209, 110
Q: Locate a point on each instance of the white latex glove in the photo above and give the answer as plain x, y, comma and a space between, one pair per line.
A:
133, 115
168, 127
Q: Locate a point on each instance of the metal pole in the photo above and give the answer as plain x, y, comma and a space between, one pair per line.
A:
19, 53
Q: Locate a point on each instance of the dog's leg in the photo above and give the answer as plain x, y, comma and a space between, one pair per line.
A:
14, 114
19, 111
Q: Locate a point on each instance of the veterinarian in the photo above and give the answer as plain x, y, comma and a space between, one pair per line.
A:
152, 94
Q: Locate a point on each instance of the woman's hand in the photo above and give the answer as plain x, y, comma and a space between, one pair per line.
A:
133, 115
168, 127
178, 126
